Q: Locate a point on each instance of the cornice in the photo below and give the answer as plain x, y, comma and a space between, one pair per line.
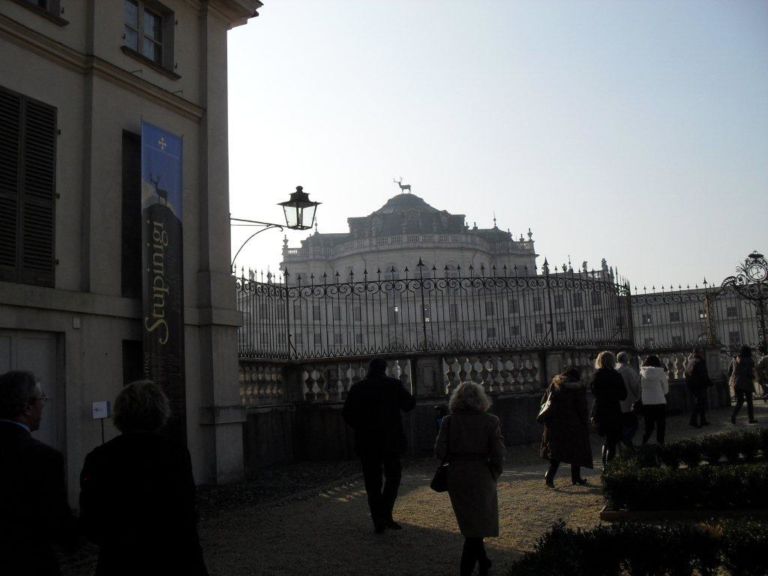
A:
71, 59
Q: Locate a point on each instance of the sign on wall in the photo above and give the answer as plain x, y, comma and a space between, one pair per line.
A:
162, 265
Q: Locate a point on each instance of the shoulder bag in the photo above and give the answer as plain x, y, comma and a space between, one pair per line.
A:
440, 479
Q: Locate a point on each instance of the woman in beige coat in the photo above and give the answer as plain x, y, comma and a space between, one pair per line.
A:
470, 439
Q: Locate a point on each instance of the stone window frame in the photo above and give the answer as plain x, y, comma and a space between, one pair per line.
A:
48, 9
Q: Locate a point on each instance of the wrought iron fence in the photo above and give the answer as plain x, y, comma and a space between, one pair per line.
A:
395, 313
681, 319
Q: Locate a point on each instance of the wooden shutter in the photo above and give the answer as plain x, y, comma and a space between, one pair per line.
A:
27, 189
38, 194
10, 141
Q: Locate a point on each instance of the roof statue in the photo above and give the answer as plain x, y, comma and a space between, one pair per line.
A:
403, 187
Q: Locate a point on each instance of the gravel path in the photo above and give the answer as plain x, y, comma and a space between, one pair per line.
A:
312, 518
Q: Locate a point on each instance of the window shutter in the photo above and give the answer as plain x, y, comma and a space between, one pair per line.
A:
38, 194
10, 135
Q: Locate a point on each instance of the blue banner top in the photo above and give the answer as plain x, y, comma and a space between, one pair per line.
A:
161, 168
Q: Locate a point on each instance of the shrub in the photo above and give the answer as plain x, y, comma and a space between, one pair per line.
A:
732, 547
626, 485
690, 452
712, 448
750, 445
670, 455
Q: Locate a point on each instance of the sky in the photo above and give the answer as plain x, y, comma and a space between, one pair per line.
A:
635, 131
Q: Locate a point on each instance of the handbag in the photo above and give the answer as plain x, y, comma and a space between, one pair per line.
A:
545, 408
440, 479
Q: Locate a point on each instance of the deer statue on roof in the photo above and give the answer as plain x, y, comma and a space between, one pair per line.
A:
403, 187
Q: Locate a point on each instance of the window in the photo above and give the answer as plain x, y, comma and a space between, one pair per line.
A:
674, 316
734, 338
579, 324
318, 339
296, 311
490, 333
597, 298
316, 313
298, 339
27, 190
337, 339
337, 313
394, 315
357, 314
489, 309
427, 313
514, 330
539, 328
560, 326
453, 311
677, 340
702, 315
647, 319
538, 305
148, 31
359, 338
559, 301
649, 342
732, 312
597, 322
578, 300
50, 9
514, 306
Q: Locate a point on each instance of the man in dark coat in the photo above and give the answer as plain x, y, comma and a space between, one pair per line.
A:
34, 513
372, 410
697, 380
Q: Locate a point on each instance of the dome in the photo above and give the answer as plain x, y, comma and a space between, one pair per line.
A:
404, 203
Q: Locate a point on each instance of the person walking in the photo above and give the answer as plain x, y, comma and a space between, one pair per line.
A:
609, 390
137, 493
742, 380
34, 513
761, 372
630, 405
697, 380
566, 427
372, 409
470, 439
654, 389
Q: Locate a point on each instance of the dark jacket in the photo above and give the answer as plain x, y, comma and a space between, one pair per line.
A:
372, 410
472, 443
137, 502
742, 373
566, 427
34, 513
608, 388
696, 375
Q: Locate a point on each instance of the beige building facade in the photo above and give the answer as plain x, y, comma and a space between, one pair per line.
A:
77, 78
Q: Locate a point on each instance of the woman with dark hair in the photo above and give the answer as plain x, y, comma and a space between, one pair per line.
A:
609, 390
742, 381
470, 439
566, 427
654, 387
137, 495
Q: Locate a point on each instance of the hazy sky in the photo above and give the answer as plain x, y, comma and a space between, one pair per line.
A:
635, 131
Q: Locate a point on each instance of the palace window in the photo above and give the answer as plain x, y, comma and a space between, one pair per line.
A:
489, 309
559, 301
539, 328
732, 312
337, 338
674, 316
597, 298
316, 313
27, 189
734, 338
647, 319
514, 306
538, 304
514, 329
357, 314
148, 31
490, 333
597, 322
579, 324
578, 300
560, 326
337, 313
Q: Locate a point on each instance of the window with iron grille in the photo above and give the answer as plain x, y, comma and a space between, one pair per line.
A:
318, 339
514, 306
559, 301
337, 313
597, 322
731, 312
597, 298
578, 300
647, 319
734, 338
316, 313
27, 189
539, 328
674, 316
514, 330
148, 31
489, 309
337, 339
357, 314
560, 326
538, 304
490, 332
579, 324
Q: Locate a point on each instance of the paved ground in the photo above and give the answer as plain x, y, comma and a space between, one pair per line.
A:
312, 518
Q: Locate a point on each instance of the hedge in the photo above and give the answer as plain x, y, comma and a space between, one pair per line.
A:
736, 548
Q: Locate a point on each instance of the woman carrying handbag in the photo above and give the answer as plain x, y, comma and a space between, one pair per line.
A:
476, 457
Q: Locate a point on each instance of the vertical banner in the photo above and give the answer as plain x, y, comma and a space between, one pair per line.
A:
162, 264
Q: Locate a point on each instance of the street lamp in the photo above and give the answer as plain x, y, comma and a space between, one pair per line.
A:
299, 215
751, 283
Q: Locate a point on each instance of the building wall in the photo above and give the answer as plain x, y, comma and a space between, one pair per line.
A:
74, 62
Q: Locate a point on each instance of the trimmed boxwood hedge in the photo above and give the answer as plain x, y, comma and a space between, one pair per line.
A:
736, 548
738, 486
